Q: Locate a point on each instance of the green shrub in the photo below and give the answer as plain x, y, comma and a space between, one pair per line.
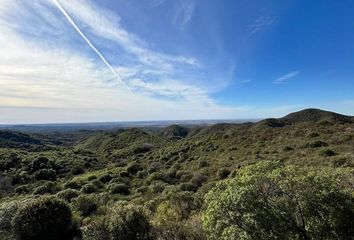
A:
203, 163
198, 179
105, 178
134, 167
128, 222
68, 194
47, 187
22, 189
45, 174
223, 173
43, 219
317, 144
141, 174
155, 176
270, 201
89, 188
142, 189
187, 187
327, 152
157, 186
97, 183
85, 205
119, 188
97, 229
124, 221
7, 212
72, 184
91, 177
288, 148
124, 174
76, 170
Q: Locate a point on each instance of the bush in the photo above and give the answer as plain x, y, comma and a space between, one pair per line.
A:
124, 174
7, 212
142, 189
77, 170
327, 152
68, 194
119, 188
156, 176
270, 201
128, 222
97, 230
223, 173
105, 178
317, 144
85, 205
288, 148
141, 174
187, 187
45, 174
97, 183
72, 185
134, 168
43, 218
48, 187
123, 222
157, 186
89, 188
203, 163
22, 189
198, 179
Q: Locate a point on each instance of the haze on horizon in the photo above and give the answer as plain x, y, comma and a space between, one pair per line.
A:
182, 59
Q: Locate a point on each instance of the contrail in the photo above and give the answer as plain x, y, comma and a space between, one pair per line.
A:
89, 43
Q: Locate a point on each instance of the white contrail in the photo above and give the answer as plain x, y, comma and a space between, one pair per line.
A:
89, 43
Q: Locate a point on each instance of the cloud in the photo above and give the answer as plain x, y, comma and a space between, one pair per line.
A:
260, 23
184, 12
245, 81
286, 77
49, 74
106, 24
89, 43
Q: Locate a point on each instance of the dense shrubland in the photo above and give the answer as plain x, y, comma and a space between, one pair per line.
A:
275, 179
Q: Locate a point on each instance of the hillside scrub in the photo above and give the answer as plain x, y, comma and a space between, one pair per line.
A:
174, 179
271, 201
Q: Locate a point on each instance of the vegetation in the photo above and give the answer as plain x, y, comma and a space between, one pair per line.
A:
287, 178
271, 201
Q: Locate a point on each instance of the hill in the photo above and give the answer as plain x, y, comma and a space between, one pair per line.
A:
167, 171
316, 115
11, 139
310, 115
174, 132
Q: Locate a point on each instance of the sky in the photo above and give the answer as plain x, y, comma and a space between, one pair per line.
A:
67, 61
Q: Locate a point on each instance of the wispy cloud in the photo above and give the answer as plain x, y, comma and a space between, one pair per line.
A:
286, 77
184, 12
47, 70
261, 23
245, 81
89, 43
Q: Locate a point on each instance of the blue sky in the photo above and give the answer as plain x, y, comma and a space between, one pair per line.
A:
87, 61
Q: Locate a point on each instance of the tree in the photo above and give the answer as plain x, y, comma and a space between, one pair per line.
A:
270, 201
42, 219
